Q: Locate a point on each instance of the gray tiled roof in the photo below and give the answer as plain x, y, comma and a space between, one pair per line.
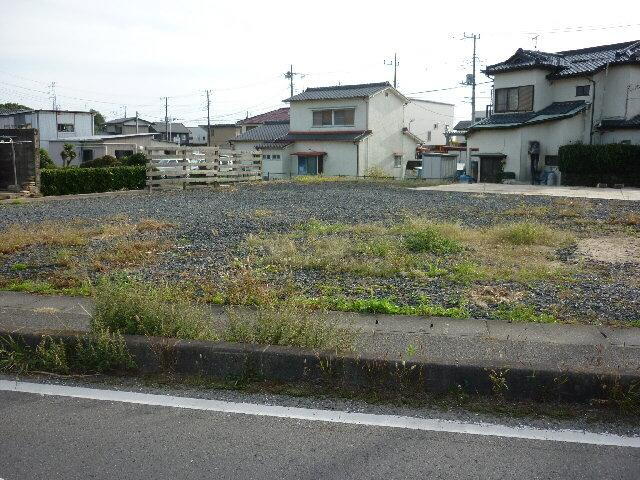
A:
555, 111
362, 90
462, 125
326, 136
126, 119
160, 127
633, 122
570, 62
266, 132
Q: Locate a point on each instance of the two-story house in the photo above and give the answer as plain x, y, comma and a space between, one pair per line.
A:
52, 125
127, 126
177, 133
348, 130
542, 101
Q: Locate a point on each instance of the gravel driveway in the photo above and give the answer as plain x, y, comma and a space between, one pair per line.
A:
213, 224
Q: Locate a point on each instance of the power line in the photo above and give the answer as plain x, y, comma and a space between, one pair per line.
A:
444, 89
394, 64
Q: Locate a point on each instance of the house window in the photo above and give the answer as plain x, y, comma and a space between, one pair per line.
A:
516, 99
275, 157
397, 160
118, 129
266, 157
66, 127
551, 160
583, 90
435, 126
123, 153
340, 117
429, 136
87, 155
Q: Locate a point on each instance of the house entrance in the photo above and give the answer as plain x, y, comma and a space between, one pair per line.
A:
310, 165
491, 168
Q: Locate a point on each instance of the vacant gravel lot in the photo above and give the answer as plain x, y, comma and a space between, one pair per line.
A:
211, 227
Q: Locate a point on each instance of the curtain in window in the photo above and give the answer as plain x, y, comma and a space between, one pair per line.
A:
501, 100
525, 98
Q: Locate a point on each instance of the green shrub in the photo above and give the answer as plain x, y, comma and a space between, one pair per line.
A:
588, 165
101, 162
135, 160
71, 181
45, 159
429, 240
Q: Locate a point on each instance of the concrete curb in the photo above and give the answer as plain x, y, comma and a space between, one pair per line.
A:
224, 360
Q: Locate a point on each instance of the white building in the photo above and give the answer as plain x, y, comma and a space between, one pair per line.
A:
429, 120
591, 95
347, 130
127, 126
95, 146
51, 124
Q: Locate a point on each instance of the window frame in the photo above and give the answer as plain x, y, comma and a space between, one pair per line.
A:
63, 128
322, 112
508, 95
580, 88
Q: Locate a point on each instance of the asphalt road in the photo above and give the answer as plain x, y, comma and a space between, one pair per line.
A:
58, 437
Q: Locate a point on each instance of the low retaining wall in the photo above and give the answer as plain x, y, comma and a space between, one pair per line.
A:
287, 364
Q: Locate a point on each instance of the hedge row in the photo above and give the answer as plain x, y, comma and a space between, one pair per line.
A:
73, 180
587, 165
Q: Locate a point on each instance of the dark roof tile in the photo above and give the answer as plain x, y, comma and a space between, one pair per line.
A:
279, 115
555, 111
267, 132
362, 90
570, 62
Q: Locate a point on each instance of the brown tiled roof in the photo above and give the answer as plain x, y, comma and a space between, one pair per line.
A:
279, 115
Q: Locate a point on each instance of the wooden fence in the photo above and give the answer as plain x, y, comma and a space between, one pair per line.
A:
185, 167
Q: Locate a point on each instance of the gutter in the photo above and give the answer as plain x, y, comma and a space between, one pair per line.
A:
593, 109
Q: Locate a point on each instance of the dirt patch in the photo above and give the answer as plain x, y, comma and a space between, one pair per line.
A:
611, 249
484, 296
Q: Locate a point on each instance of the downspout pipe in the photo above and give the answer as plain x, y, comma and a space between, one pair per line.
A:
593, 109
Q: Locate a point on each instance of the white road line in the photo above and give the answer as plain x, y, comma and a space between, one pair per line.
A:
391, 421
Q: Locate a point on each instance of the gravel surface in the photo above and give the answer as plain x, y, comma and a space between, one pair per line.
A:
213, 224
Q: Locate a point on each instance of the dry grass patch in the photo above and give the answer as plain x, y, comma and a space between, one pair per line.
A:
417, 248
130, 253
486, 295
18, 237
152, 225
629, 219
571, 208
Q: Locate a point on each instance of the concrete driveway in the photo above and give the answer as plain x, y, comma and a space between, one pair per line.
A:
632, 194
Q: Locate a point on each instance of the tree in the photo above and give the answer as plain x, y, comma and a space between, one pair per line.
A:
98, 120
68, 154
45, 159
12, 107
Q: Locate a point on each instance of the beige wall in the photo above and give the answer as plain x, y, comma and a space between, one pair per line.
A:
222, 135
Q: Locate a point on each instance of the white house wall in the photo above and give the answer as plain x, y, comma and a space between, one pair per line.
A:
340, 158
386, 120
621, 135
514, 142
301, 114
542, 94
423, 116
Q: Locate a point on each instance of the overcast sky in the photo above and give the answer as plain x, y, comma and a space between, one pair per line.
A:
108, 55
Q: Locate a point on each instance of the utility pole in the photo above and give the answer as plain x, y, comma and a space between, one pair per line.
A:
137, 121
394, 64
289, 75
52, 86
166, 118
472, 80
208, 119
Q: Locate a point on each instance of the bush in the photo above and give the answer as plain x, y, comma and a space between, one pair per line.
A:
430, 240
106, 161
71, 181
45, 159
587, 165
135, 159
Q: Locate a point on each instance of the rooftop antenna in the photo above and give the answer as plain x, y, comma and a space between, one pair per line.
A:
535, 41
